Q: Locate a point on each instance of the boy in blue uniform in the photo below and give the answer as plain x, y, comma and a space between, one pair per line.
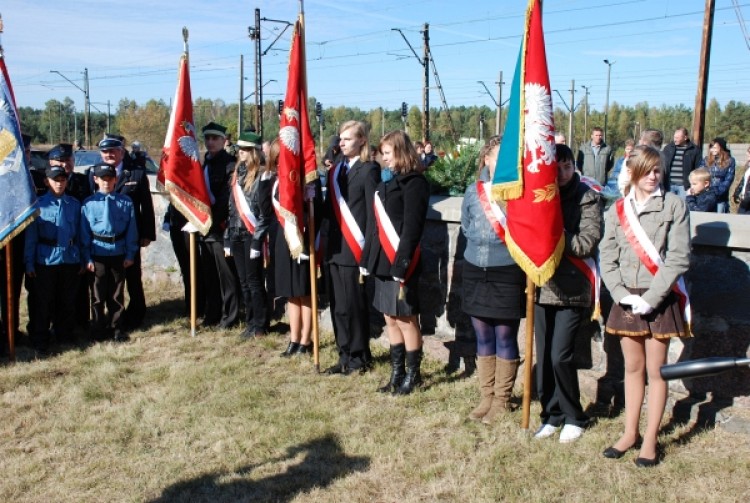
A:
109, 242
52, 258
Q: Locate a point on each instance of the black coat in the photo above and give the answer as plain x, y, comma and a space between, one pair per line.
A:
406, 199
259, 202
134, 184
357, 188
220, 168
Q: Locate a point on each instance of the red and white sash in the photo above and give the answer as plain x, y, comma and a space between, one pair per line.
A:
389, 238
246, 215
648, 254
592, 183
590, 269
349, 229
492, 210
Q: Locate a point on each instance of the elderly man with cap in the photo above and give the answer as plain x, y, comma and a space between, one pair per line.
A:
52, 258
222, 307
132, 182
109, 246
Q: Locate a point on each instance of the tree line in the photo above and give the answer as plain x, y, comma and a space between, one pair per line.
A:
61, 122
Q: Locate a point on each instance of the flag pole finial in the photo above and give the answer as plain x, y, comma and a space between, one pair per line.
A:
1, 32
185, 37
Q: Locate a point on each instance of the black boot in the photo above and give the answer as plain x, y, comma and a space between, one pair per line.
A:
413, 378
398, 356
290, 349
304, 349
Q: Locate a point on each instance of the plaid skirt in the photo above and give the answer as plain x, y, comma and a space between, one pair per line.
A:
664, 322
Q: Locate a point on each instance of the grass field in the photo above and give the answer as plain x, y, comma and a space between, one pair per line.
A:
216, 418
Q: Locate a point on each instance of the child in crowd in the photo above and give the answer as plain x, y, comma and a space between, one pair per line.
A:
53, 261
109, 242
700, 196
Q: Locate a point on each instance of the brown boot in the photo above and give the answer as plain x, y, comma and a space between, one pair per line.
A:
486, 374
505, 377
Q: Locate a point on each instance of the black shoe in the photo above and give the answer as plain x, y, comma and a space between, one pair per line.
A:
121, 336
337, 369
647, 462
398, 371
304, 349
612, 453
290, 349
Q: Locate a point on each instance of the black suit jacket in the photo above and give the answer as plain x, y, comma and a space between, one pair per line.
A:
357, 188
134, 184
406, 199
220, 168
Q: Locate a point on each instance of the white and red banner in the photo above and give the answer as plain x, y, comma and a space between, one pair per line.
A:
297, 165
526, 171
180, 172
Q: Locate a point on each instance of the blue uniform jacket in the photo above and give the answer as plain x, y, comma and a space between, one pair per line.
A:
108, 235
53, 238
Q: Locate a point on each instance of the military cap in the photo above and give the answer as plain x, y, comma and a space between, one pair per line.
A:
60, 152
55, 171
103, 169
248, 139
215, 129
109, 143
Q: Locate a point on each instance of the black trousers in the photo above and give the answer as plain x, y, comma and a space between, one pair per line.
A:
221, 290
555, 328
350, 314
108, 293
252, 283
136, 309
181, 246
55, 299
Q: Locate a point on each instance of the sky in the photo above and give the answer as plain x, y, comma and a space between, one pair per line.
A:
357, 59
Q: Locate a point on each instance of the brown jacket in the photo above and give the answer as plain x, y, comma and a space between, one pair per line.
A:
582, 220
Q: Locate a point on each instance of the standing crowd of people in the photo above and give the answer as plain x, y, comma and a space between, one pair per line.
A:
91, 229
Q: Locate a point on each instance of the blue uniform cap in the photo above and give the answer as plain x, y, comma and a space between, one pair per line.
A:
60, 152
103, 169
110, 143
55, 171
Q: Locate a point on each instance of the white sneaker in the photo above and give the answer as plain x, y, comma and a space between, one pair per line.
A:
570, 433
545, 431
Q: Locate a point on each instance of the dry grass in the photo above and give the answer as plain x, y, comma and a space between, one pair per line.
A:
214, 418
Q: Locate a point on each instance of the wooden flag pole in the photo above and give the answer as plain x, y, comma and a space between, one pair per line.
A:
529, 355
193, 285
10, 321
311, 214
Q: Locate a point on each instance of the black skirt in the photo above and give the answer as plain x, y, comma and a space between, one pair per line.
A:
494, 292
394, 300
291, 279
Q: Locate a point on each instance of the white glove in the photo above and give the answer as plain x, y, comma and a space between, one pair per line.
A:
302, 257
309, 191
641, 306
189, 227
165, 226
630, 300
254, 254
227, 252
400, 280
363, 272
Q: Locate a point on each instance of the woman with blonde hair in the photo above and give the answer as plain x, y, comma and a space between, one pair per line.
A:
392, 256
250, 218
644, 253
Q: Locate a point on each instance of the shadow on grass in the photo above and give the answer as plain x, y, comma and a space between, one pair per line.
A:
323, 463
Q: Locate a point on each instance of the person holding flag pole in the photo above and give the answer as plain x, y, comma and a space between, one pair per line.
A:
297, 174
525, 177
18, 205
180, 173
